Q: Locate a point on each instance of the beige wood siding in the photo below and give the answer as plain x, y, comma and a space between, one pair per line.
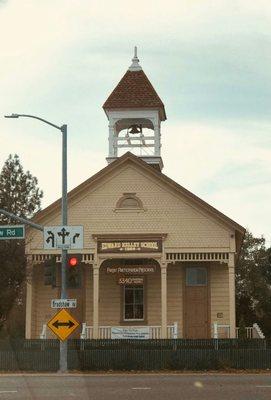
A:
109, 299
164, 211
219, 281
110, 302
175, 295
153, 287
89, 295
42, 305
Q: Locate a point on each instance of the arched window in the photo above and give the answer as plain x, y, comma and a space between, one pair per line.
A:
129, 201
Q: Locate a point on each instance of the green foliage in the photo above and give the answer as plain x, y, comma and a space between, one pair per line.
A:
253, 284
242, 328
20, 195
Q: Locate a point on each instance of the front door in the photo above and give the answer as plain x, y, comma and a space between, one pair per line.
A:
196, 303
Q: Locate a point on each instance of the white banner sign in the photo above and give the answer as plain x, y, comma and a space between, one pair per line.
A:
63, 237
120, 332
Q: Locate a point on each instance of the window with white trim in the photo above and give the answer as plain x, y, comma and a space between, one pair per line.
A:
196, 276
133, 304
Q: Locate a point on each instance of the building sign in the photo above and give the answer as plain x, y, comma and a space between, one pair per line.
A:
132, 270
121, 332
130, 280
131, 246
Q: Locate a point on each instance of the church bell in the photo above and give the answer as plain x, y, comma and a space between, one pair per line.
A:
134, 129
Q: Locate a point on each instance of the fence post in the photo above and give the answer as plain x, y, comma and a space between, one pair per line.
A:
175, 330
84, 331
215, 330
43, 332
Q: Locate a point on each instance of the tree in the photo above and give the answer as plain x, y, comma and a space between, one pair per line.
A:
253, 283
20, 195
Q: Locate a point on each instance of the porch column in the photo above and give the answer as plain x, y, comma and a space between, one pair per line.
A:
163, 267
28, 312
29, 300
232, 296
96, 301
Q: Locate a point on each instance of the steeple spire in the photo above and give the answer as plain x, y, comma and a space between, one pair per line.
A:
135, 112
135, 62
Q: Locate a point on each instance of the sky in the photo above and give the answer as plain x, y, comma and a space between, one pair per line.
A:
209, 61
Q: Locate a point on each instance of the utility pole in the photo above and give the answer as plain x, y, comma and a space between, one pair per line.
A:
63, 365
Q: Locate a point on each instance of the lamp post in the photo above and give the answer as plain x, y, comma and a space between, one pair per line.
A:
64, 212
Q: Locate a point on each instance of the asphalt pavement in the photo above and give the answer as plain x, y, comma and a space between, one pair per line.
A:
136, 386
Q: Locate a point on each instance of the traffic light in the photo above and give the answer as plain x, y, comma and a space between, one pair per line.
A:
74, 271
49, 266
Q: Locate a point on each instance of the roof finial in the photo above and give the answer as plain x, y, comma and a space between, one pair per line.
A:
135, 62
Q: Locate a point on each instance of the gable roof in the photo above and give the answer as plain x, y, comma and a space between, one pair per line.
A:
129, 157
135, 91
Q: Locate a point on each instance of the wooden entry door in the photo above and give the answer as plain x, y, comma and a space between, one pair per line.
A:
196, 324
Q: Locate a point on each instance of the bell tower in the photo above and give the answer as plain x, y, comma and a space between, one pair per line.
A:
135, 112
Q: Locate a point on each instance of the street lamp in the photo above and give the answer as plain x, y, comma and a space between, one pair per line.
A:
64, 211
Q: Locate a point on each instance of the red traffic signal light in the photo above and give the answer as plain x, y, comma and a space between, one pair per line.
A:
74, 260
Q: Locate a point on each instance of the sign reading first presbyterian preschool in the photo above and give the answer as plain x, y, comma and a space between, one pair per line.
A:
129, 246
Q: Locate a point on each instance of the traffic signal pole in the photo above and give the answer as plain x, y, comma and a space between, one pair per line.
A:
63, 366
63, 350
22, 220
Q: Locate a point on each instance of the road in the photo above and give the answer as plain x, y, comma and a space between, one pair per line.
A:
137, 386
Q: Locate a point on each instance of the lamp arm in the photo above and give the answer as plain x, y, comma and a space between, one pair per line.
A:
40, 119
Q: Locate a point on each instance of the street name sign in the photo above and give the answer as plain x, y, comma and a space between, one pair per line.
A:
63, 303
63, 324
12, 232
63, 237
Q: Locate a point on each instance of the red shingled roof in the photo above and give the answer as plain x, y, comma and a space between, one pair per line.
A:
135, 91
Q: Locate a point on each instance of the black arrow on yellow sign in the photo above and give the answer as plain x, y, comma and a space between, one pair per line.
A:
57, 324
63, 324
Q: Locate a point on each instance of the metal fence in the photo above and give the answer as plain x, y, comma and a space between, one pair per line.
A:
164, 354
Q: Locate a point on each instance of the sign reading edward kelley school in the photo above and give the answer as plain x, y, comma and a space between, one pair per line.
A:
129, 246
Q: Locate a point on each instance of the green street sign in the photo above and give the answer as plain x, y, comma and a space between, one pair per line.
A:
12, 232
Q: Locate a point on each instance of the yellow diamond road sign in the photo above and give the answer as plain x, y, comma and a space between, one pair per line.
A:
63, 324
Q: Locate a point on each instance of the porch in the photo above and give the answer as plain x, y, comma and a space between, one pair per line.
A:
180, 298
219, 331
154, 332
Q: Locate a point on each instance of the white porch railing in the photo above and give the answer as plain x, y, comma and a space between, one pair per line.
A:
257, 332
223, 331
219, 331
105, 331
43, 332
